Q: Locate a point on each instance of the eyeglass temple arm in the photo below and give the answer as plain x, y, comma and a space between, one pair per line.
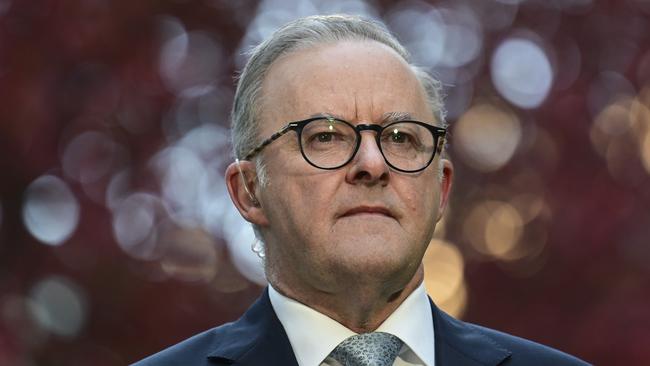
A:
243, 177
264, 143
442, 138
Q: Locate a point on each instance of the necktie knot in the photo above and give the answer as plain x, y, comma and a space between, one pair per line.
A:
368, 349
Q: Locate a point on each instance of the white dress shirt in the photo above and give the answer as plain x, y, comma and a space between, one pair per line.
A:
314, 335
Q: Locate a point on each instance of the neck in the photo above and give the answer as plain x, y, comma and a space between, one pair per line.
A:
359, 306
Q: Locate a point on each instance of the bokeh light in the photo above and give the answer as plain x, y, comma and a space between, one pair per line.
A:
214, 203
118, 188
134, 225
458, 99
607, 88
619, 134
444, 276
487, 136
494, 229
521, 72
17, 316
90, 156
640, 115
189, 254
530, 206
611, 123
4, 6
240, 238
50, 210
59, 306
412, 21
645, 151
190, 62
463, 37
271, 14
503, 229
116, 127
180, 169
447, 36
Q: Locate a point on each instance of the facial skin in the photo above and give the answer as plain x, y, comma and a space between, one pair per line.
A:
347, 242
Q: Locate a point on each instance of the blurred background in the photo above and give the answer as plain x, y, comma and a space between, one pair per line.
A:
118, 239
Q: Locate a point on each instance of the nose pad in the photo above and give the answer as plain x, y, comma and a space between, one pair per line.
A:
371, 138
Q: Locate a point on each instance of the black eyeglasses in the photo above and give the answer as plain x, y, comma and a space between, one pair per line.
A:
330, 143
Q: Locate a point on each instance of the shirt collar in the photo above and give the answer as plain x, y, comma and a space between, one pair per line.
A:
409, 322
314, 335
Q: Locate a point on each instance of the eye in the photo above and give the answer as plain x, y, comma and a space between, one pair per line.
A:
324, 137
399, 137
326, 132
328, 135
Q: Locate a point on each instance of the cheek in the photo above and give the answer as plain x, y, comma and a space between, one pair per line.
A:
413, 204
308, 200
421, 200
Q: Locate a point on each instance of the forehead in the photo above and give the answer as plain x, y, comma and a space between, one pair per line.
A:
356, 80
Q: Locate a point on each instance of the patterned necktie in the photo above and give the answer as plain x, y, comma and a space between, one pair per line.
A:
368, 349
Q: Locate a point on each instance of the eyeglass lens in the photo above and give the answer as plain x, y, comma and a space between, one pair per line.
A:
328, 144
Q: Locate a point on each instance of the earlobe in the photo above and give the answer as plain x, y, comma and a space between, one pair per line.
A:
445, 186
241, 183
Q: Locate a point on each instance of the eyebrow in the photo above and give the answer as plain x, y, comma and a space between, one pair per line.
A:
386, 118
390, 117
325, 115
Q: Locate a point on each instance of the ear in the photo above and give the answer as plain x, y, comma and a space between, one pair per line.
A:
445, 186
242, 185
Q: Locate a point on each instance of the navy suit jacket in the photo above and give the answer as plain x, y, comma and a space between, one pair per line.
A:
258, 339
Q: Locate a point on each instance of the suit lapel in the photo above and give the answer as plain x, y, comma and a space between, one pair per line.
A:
257, 338
458, 343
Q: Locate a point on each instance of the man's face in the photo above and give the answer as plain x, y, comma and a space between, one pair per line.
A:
364, 221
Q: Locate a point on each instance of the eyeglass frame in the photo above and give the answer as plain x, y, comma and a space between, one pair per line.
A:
438, 133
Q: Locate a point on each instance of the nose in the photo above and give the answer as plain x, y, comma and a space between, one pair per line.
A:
368, 166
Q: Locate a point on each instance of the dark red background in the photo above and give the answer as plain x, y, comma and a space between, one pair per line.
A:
591, 296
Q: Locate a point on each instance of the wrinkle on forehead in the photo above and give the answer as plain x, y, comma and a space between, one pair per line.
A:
328, 79
356, 108
386, 117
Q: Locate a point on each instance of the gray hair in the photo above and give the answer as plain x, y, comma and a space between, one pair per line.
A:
300, 34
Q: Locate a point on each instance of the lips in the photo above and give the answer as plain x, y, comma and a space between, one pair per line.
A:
377, 210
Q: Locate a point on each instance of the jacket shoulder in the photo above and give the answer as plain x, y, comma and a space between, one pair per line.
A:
526, 352
193, 351
256, 337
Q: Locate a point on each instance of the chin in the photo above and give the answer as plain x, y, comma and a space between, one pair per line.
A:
374, 264
380, 252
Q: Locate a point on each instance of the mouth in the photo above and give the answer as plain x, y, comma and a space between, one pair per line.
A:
368, 210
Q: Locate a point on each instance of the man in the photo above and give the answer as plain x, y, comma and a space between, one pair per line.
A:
341, 170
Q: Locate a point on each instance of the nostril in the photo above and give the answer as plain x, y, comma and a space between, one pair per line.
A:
362, 175
369, 173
